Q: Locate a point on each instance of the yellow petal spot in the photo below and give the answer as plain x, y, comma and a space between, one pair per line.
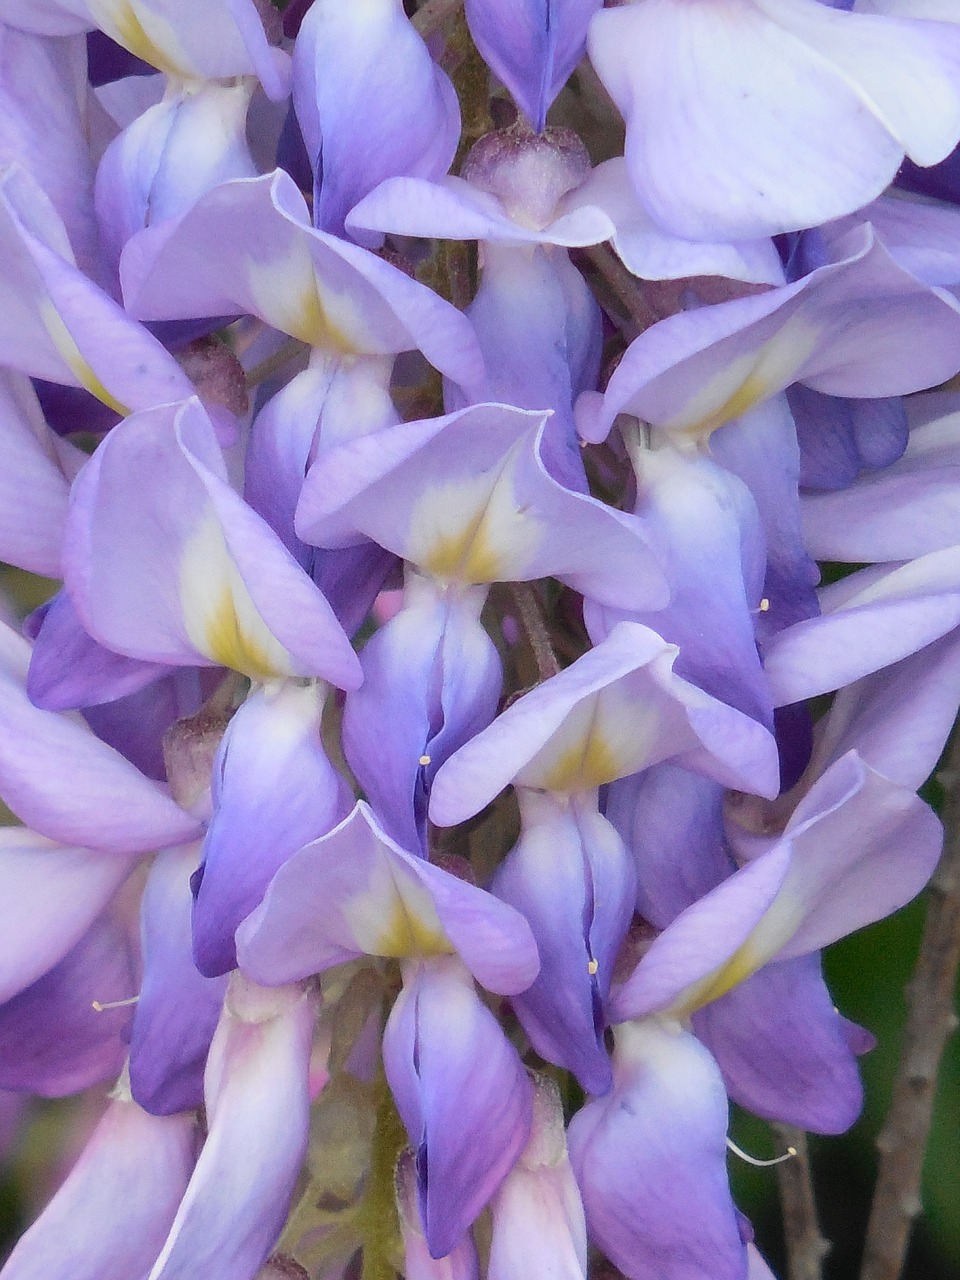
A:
393, 915
772, 931
219, 615
159, 46
407, 932
475, 530
71, 355
231, 646
583, 766
746, 381
288, 295
744, 962
604, 737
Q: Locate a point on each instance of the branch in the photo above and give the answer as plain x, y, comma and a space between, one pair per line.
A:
806, 1247
530, 609
930, 1021
625, 288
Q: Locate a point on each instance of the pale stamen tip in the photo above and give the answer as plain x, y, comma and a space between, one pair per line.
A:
100, 1006
789, 1154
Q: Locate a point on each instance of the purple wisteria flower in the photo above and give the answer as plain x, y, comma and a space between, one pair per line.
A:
424, 428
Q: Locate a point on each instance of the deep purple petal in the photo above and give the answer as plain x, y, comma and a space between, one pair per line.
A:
462, 1093
178, 1008
53, 1041
783, 1048
274, 791
650, 1159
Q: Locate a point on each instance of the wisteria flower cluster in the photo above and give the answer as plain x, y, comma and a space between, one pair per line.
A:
426, 830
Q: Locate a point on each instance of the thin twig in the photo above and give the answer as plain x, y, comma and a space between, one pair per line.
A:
930, 1021
531, 618
806, 1247
624, 286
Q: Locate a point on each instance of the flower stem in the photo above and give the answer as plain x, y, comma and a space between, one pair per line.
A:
806, 1247
930, 1022
530, 609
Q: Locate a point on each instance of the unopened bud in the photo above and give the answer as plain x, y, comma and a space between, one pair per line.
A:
529, 172
282, 1267
216, 373
189, 749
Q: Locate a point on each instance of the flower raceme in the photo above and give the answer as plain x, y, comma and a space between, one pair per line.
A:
416, 831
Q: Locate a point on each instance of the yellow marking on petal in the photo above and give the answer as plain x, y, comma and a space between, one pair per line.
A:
406, 933
158, 46
464, 555
584, 766
746, 382
219, 614
288, 295
394, 916
474, 530
71, 355
769, 936
314, 325
231, 646
604, 737
744, 962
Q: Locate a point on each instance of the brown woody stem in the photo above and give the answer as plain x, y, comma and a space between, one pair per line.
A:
530, 609
806, 1247
930, 1022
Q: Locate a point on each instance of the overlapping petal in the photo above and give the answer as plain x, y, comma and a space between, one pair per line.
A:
52, 894
178, 1009
462, 1093
371, 103
258, 1108
111, 1214
190, 575
835, 91
61, 780
356, 892
870, 619
616, 710
652, 1153
856, 848
572, 878
273, 264
691, 373
57, 324
274, 790
533, 46
54, 1040
431, 680
470, 501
